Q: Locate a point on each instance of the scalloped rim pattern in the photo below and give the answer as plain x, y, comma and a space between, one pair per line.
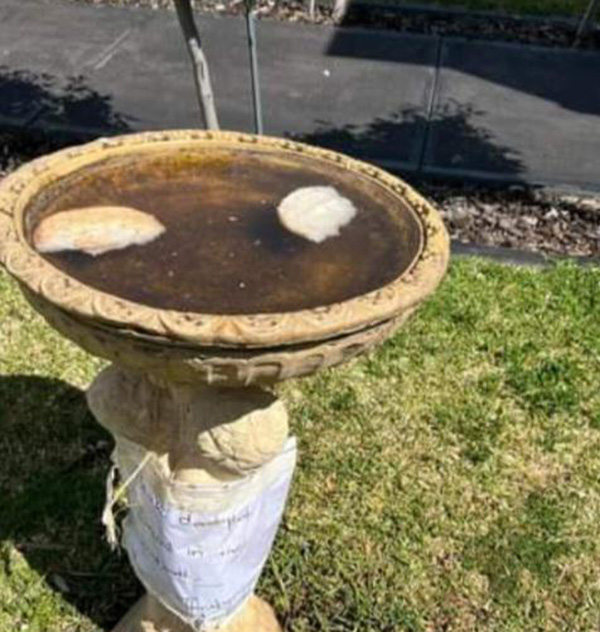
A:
255, 330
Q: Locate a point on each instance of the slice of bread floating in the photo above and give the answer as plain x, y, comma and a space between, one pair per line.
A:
316, 213
96, 230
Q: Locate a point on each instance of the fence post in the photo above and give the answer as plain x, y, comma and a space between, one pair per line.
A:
256, 97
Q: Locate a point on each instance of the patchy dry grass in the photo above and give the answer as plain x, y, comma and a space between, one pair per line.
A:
450, 481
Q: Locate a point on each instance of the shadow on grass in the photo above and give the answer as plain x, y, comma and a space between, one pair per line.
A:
532, 540
52, 485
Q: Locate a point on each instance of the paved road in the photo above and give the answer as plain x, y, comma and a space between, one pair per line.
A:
417, 104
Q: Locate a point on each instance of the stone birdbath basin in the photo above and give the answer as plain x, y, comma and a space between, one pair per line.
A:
200, 323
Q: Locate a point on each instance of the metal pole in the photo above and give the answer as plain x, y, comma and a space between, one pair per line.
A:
251, 29
206, 98
586, 20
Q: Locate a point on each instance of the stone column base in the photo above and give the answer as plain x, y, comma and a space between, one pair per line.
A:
203, 436
148, 615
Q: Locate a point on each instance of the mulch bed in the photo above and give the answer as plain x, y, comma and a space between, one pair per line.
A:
523, 218
540, 31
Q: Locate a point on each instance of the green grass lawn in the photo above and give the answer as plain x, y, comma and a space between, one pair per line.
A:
448, 482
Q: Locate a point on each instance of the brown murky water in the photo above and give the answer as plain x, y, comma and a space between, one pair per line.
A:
224, 250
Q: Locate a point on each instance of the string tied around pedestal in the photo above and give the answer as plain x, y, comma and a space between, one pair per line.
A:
198, 548
114, 496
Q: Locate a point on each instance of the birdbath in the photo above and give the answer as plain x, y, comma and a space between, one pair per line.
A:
201, 323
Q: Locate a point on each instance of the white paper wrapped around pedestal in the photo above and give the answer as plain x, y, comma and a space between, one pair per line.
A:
200, 549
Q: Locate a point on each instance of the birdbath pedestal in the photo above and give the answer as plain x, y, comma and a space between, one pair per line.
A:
199, 325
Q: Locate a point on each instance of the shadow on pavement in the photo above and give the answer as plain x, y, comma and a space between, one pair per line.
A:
71, 104
375, 141
565, 77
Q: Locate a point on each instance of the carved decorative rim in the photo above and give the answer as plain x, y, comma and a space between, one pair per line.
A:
257, 330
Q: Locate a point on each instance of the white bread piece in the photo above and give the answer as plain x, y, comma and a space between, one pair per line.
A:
316, 213
96, 230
